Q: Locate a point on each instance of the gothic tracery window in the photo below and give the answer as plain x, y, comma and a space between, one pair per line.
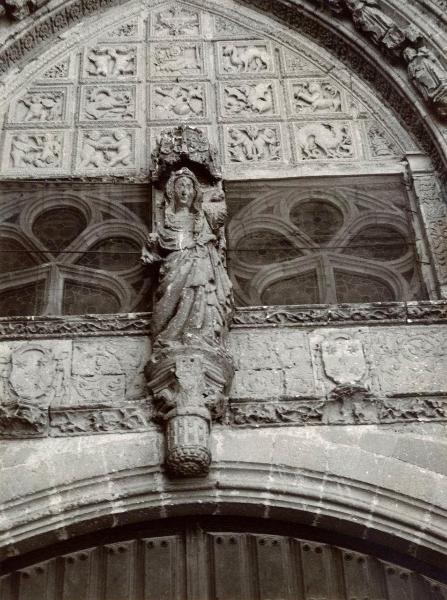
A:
72, 249
297, 242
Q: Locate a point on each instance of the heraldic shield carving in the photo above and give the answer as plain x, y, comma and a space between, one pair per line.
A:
190, 370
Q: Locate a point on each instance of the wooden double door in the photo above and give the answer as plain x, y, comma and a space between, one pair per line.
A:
210, 559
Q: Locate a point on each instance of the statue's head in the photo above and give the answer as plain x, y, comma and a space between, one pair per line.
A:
183, 191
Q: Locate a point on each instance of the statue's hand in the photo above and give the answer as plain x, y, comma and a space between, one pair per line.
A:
152, 240
148, 254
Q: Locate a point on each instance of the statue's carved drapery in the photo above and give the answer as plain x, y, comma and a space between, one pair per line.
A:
190, 370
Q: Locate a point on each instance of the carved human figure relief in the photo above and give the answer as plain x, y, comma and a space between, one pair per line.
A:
240, 57
178, 100
176, 21
176, 59
111, 62
36, 150
38, 106
251, 143
108, 103
373, 22
324, 141
316, 96
249, 99
106, 149
428, 76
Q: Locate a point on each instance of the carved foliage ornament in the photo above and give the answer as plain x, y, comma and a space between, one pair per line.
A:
190, 371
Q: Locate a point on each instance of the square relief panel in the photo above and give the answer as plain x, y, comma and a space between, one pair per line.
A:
130, 30
62, 70
242, 58
110, 62
249, 99
315, 96
116, 103
260, 143
36, 152
175, 21
230, 29
178, 101
106, 151
293, 63
40, 107
324, 140
176, 59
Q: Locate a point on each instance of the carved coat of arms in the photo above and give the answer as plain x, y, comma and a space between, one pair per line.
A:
344, 360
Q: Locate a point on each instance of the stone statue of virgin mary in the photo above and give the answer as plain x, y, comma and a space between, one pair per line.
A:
193, 302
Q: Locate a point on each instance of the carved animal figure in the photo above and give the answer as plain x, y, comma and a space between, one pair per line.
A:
318, 140
258, 98
316, 98
252, 59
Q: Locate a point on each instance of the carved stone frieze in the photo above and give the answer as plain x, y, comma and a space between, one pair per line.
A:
380, 143
189, 371
110, 62
16, 328
315, 96
20, 9
346, 409
35, 151
253, 143
242, 58
429, 77
101, 150
60, 70
108, 103
85, 421
434, 214
170, 102
129, 30
183, 59
23, 420
325, 140
40, 107
176, 21
226, 27
249, 99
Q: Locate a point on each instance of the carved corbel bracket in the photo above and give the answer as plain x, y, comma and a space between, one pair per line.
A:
189, 387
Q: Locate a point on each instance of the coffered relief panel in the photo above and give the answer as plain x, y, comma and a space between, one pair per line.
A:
271, 100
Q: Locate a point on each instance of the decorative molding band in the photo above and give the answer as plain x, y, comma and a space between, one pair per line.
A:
28, 328
356, 409
345, 407
24, 420
393, 313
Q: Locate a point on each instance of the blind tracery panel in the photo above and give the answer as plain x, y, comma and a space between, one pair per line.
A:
73, 249
334, 241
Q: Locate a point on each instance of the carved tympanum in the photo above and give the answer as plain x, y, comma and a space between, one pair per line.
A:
190, 370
